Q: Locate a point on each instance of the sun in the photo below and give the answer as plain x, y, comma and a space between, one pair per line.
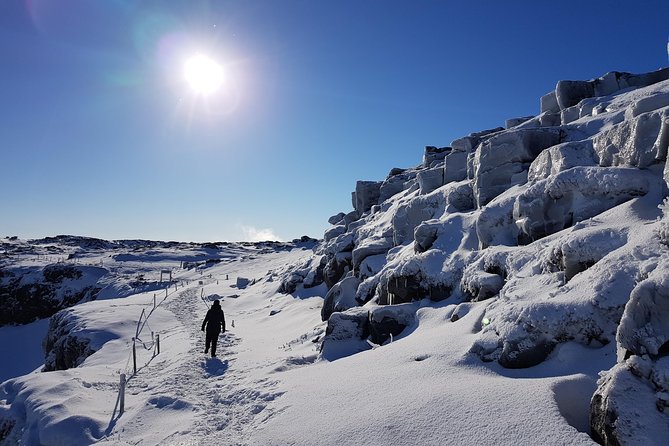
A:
203, 74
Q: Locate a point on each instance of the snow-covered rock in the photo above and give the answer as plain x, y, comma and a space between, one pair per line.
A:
37, 292
340, 297
573, 195
433, 154
636, 142
366, 195
502, 161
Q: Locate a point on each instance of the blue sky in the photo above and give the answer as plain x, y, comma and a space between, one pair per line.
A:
101, 136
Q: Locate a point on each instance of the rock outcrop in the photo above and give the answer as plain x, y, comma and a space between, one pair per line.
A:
551, 220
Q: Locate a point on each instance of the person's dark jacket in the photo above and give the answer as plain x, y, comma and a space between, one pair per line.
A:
214, 320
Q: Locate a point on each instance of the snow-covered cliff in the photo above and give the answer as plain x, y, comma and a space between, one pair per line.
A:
554, 221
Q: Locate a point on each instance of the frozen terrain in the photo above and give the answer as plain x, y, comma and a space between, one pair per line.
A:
510, 289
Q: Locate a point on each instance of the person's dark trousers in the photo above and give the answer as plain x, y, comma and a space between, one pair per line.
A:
211, 341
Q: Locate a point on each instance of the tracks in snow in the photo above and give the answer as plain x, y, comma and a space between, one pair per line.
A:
226, 401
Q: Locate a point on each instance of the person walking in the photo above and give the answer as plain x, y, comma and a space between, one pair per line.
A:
214, 322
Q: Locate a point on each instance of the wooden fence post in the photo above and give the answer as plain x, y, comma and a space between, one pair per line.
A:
121, 398
158, 342
134, 357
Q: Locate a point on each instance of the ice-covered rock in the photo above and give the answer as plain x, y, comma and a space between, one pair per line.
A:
337, 267
562, 157
571, 196
644, 327
549, 103
495, 224
64, 346
629, 406
346, 333
638, 142
370, 247
468, 143
455, 166
340, 297
502, 161
334, 232
433, 154
570, 93
366, 195
335, 219
430, 179
389, 321
31, 293
513, 122
578, 251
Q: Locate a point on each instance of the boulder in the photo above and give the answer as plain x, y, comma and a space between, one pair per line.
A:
549, 103
502, 161
526, 352
63, 347
513, 122
636, 142
346, 334
340, 297
334, 232
574, 195
455, 167
315, 275
337, 266
370, 246
403, 289
430, 179
644, 327
433, 153
495, 224
614, 420
288, 284
366, 195
468, 143
562, 157
482, 285
570, 93
387, 321
335, 219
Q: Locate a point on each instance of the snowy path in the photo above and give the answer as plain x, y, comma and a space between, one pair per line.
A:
192, 399
225, 398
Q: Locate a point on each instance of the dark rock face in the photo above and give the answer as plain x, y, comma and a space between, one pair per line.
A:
350, 324
380, 331
341, 297
433, 153
59, 272
290, 283
22, 303
525, 353
366, 195
388, 321
62, 349
336, 268
404, 289
602, 421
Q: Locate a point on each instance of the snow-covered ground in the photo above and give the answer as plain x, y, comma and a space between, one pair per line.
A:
266, 386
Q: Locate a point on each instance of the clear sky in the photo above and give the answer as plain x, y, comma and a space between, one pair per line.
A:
101, 134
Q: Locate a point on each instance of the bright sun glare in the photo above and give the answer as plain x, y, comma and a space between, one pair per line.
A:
203, 74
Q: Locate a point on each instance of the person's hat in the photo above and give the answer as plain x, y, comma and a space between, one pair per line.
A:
217, 302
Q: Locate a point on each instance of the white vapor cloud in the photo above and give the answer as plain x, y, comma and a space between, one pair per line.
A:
252, 234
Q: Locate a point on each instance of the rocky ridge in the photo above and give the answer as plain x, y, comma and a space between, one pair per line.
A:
551, 222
